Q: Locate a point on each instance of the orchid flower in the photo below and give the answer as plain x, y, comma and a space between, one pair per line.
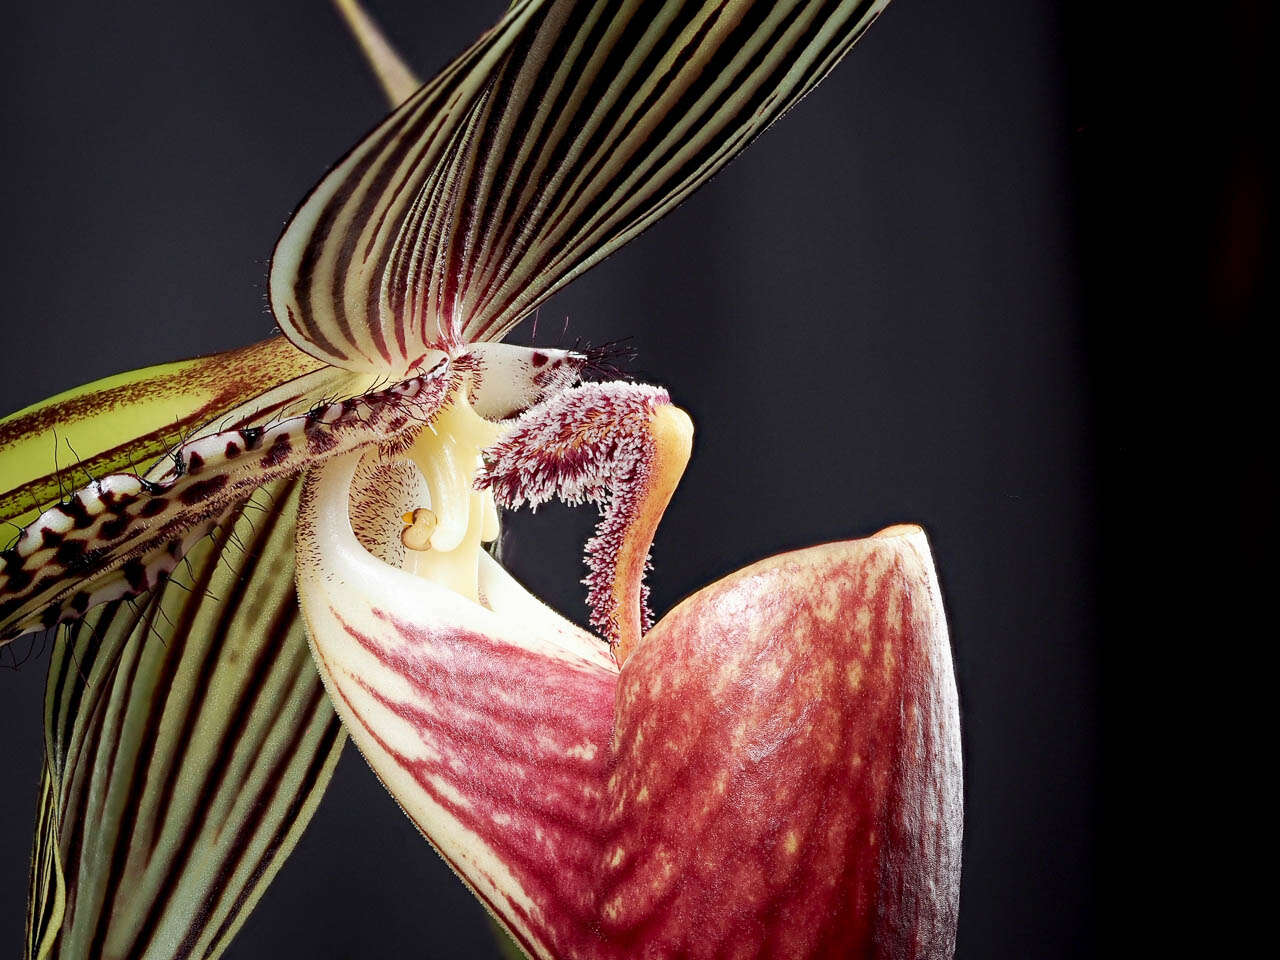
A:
772, 768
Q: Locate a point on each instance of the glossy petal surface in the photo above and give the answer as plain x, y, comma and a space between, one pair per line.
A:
774, 772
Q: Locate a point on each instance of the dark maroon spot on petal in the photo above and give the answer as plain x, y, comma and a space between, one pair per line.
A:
135, 574
90, 558
538, 359
80, 602
153, 508
321, 441
203, 490
77, 511
233, 449
50, 537
278, 453
114, 527
69, 552
49, 617
18, 580
195, 463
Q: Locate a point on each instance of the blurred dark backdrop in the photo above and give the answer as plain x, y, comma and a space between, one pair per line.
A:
876, 315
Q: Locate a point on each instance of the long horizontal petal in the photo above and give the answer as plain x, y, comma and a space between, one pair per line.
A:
122, 533
130, 419
562, 133
188, 740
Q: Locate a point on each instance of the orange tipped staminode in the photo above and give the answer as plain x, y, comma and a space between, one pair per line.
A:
671, 433
620, 445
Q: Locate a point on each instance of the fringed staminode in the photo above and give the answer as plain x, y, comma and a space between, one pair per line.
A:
621, 446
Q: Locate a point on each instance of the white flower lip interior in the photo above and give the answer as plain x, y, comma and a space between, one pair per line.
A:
339, 576
413, 521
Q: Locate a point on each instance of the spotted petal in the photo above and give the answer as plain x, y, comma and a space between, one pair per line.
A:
188, 740
122, 533
128, 420
562, 133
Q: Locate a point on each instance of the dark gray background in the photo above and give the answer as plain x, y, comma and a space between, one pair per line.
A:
874, 316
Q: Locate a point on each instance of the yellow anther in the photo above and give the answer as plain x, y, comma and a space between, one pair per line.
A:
421, 524
444, 541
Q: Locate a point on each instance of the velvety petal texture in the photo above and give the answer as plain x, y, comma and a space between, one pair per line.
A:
774, 772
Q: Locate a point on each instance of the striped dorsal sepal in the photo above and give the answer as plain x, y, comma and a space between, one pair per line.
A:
120, 534
562, 133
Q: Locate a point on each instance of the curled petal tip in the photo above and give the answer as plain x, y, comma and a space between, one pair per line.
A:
623, 446
898, 530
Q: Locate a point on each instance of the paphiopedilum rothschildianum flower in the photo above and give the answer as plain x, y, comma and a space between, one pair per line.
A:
772, 768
